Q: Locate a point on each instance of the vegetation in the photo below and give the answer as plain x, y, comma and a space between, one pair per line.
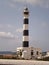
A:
46, 59
8, 57
17, 57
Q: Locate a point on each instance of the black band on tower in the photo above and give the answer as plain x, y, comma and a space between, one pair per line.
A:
25, 43
26, 13
25, 32
26, 21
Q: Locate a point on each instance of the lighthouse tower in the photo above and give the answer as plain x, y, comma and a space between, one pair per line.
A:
25, 28
26, 52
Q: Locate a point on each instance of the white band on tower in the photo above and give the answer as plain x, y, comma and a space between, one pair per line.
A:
25, 27
25, 38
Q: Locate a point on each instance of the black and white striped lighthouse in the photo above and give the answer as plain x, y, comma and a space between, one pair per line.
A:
25, 28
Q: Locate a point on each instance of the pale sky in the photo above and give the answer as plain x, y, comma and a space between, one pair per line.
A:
11, 24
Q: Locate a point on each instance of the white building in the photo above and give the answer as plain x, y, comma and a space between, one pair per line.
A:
29, 52
47, 54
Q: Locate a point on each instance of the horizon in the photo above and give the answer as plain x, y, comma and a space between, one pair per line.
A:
11, 24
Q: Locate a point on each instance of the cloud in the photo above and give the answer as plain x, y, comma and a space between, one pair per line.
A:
12, 5
7, 26
44, 24
6, 35
42, 3
19, 30
1, 25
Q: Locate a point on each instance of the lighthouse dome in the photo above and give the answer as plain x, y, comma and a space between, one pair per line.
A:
26, 12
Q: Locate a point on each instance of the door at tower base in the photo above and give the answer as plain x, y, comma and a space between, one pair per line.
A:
26, 55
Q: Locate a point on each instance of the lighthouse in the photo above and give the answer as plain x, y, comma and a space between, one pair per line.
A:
27, 52
25, 28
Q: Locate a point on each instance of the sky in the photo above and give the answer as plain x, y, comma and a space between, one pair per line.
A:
11, 24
